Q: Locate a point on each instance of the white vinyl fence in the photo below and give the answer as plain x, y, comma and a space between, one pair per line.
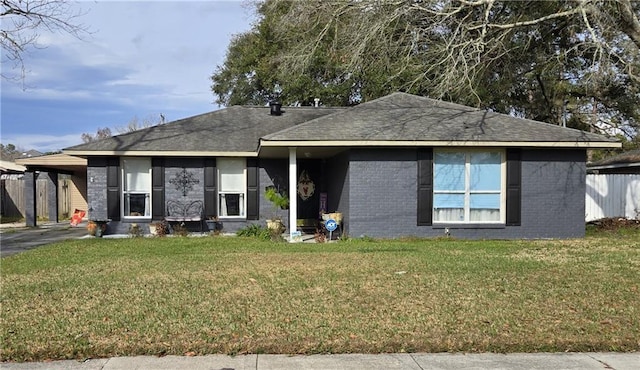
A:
612, 195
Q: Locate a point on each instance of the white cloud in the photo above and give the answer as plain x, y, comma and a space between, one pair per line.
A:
141, 57
44, 143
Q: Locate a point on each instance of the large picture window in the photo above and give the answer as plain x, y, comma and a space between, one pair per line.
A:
468, 186
232, 187
136, 187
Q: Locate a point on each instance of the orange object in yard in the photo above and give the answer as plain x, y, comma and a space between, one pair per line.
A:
78, 214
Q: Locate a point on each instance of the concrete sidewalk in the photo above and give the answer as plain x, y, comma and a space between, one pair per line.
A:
417, 361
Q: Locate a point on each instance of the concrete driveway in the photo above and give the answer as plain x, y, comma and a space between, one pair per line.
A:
16, 238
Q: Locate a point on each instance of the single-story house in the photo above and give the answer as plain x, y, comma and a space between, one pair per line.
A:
400, 165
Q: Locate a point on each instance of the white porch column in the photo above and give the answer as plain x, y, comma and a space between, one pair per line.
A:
293, 193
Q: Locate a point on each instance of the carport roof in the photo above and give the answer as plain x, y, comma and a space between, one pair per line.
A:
54, 162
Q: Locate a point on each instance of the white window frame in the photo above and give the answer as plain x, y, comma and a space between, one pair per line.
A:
221, 192
124, 192
467, 191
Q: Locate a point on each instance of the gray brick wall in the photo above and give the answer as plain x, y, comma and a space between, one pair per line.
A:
30, 214
96, 190
52, 198
338, 187
173, 168
273, 172
553, 193
376, 190
383, 200
382, 193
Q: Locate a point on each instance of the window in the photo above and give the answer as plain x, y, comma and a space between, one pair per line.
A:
232, 187
136, 187
468, 186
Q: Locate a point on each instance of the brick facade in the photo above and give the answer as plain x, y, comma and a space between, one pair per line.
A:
97, 189
173, 169
383, 197
376, 190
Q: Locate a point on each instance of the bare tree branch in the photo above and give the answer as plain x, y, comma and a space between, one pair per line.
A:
22, 22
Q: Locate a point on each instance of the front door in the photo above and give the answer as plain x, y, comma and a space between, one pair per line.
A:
308, 187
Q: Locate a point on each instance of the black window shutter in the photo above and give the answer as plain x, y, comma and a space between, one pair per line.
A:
113, 188
252, 189
425, 186
157, 188
210, 188
514, 187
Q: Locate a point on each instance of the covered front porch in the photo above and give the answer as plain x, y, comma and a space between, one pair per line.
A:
314, 182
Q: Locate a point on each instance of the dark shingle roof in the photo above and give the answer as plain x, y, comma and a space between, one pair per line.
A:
406, 117
398, 117
233, 129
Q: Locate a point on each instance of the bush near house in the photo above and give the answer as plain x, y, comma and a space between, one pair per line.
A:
95, 298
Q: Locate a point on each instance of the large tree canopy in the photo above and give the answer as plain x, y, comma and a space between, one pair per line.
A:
573, 62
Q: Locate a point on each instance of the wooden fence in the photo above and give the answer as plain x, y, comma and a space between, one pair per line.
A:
12, 198
612, 195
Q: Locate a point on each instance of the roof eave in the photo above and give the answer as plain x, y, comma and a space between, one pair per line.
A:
155, 153
427, 143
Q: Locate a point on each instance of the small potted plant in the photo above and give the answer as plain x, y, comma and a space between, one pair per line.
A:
160, 228
214, 224
279, 201
97, 227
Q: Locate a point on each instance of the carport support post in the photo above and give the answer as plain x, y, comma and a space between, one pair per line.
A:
293, 196
30, 198
52, 195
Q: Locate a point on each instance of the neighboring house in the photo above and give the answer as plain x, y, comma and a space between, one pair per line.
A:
613, 187
31, 153
624, 163
396, 166
11, 170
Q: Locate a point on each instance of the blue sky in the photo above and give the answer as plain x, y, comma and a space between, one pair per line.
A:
142, 59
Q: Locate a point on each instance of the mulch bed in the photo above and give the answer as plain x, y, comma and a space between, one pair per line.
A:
615, 223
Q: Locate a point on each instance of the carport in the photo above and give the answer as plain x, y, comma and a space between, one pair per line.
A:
50, 167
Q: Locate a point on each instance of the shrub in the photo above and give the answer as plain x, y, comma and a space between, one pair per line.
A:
180, 229
135, 231
255, 231
162, 228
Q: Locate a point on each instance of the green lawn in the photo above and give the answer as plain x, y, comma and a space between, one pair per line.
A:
108, 297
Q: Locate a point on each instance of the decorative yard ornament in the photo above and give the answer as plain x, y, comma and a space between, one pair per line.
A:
306, 187
184, 181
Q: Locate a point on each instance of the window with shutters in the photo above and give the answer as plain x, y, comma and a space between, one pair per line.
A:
136, 187
232, 187
469, 186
